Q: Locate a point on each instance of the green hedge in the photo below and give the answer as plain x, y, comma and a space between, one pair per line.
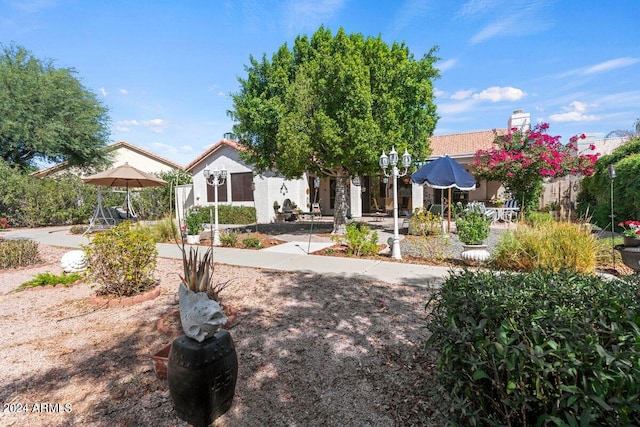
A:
228, 214
537, 349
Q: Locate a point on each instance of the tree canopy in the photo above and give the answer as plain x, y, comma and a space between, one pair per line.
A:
46, 114
331, 105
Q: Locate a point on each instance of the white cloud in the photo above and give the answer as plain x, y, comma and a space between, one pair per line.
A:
611, 65
501, 27
461, 94
123, 91
498, 94
310, 14
155, 125
473, 8
103, 91
457, 107
576, 112
446, 65
439, 93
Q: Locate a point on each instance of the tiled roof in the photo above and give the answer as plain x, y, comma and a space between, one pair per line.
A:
215, 147
463, 144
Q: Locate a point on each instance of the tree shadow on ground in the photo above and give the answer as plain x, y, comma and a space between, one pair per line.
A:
336, 352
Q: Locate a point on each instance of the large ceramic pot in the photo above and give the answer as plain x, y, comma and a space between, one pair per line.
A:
475, 254
631, 242
202, 377
193, 239
630, 256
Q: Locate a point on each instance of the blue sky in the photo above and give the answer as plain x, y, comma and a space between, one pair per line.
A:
165, 69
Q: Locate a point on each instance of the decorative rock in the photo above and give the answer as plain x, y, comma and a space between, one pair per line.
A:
201, 317
73, 261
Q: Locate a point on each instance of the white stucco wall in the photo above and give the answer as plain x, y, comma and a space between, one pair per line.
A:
147, 164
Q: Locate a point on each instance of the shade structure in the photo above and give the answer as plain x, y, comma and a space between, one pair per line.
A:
124, 176
445, 173
121, 176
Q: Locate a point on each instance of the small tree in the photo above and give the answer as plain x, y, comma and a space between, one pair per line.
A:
522, 159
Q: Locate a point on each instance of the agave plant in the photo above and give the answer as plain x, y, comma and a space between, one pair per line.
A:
198, 273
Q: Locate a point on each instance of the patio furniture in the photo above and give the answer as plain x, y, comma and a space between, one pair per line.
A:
378, 213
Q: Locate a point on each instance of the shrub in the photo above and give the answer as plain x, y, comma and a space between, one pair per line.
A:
228, 214
4, 223
194, 223
554, 246
18, 253
228, 239
425, 223
251, 242
433, 247
122, 260
78, 229
359, 240
49, 279
473, 226
165, 230
539, 348
539, 219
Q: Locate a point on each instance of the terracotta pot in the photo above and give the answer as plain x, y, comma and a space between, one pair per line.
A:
160, 360
631, 242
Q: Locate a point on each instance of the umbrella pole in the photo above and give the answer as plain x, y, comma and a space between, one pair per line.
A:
449, 210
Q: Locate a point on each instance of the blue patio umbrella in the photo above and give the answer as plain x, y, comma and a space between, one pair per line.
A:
445, 173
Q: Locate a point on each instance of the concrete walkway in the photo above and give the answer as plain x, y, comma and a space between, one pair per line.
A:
291, 256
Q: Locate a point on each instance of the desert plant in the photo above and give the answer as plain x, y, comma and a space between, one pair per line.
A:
121, 260
49, 279
539, 219
473, 226
165, 230
228, 239
359, 240
251, 242
540, 348
552, 246
18, 253
436, 247
424, 223
198, 273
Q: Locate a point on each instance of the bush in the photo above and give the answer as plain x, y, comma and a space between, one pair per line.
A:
473, 226
18, 253
359, 240
540, 348
228, 239
539, 219
228, 214
424, 223
252, 242
122, 260
553, 246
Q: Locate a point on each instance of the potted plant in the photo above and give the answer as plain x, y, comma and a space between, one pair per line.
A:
203, 367
276, 207
194, 227
553, 208
473, 227
631, 232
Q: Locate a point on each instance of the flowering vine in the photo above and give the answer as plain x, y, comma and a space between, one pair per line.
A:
522, 159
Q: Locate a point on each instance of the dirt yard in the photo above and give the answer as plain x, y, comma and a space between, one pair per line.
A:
312, 351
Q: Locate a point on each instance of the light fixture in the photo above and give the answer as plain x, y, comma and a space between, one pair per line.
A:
395, 174
215, 178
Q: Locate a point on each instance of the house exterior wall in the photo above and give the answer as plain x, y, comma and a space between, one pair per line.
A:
123, 155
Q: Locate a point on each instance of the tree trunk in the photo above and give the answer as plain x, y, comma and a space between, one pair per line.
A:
341, 205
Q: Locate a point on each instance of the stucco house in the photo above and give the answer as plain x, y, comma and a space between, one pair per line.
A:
122, 152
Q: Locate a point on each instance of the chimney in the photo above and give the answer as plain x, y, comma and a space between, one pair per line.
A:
520, 120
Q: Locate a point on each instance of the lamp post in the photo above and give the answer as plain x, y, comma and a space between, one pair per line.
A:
216, 178
612, 175
392, 160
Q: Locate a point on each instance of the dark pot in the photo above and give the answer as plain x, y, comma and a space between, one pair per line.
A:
631, 242
202, 377
630, 256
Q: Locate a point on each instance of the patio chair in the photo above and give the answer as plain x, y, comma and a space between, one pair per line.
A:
511, 210
378, 213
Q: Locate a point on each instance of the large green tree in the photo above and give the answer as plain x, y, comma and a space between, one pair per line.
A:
46, 114
331, 105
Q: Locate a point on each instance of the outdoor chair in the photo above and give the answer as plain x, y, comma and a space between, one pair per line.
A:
378, 213
489, 213
315, 210
511, 210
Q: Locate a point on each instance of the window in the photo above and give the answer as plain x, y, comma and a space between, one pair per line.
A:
241, 187
222, 193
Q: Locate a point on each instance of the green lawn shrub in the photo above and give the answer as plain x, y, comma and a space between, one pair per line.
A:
540, 348
18, 253
122, 260
50, 279
251, 242
359, 240
554, 246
